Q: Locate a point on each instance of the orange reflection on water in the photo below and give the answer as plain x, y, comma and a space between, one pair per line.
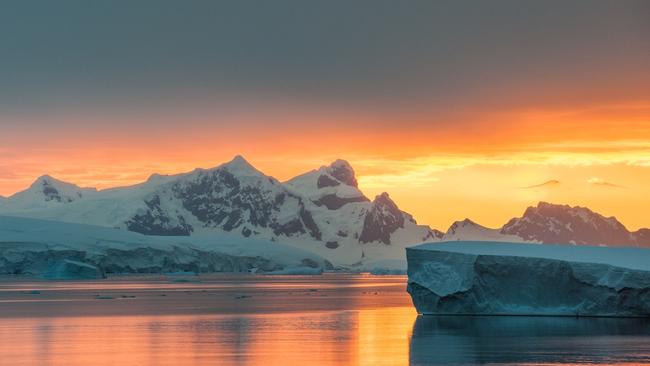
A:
364, 337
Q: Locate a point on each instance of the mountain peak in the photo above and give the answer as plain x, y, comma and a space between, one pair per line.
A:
47, 180
384, 198
464, 224
47, 188
383, 218
239, 159
467, 221
548, 205
240, 165
583, 212
341, 163
342, 171
552, 223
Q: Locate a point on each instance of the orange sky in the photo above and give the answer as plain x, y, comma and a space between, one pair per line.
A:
451, 107
439, 172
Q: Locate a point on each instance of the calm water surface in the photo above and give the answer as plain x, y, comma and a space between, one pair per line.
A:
283, 320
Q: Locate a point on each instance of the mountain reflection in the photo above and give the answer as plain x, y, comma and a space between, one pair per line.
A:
528, 340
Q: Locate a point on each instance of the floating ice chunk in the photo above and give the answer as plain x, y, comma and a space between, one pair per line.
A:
492, 278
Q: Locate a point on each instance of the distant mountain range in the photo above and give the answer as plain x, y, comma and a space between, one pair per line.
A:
554, 224
322, 210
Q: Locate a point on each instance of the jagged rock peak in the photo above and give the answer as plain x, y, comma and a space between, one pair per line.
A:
384, 199
584, 213
343, 172
382, 220
551, 223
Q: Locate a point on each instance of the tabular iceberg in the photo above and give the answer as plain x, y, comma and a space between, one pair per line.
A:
494, 278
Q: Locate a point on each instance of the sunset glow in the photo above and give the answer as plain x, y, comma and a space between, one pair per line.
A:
478, 168
336, 182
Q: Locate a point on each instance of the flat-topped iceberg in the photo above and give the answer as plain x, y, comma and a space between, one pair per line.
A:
494, 278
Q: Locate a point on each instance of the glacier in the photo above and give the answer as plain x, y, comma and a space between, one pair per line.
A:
498, 278
58, 250
67, 269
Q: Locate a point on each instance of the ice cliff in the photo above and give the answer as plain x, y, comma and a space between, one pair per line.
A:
494, 278
59, 250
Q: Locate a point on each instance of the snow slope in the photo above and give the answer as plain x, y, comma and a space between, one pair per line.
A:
492, 278
469, 230
46, 192
31, 246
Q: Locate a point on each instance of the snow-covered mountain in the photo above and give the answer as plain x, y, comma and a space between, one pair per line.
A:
549, 223
46, 192
322, 211
468, 230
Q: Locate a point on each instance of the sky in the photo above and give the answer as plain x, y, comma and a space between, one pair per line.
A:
456, 108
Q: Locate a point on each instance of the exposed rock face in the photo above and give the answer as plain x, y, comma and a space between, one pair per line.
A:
343, 172
334, 202
346, 215
326, 181
155, 221
548, 223
383, 218
55, 190
528, 279
232, 197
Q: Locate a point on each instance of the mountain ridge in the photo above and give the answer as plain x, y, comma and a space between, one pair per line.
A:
322, 210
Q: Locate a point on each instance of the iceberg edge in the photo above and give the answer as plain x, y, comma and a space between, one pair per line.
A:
445, 281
